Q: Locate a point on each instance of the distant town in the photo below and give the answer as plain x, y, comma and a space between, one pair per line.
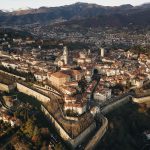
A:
93, 37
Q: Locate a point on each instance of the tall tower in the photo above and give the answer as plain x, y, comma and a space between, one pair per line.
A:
65, 55
102, 52
89, 51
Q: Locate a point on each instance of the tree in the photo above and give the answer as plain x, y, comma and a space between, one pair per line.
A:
58, 147
36, 131
29, 128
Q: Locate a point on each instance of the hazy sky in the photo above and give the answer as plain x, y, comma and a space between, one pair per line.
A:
16, 4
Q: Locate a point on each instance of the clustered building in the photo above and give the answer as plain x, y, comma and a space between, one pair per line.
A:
68, 82
69, 68
115, 68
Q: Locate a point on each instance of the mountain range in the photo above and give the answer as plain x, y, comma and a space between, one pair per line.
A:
88, 15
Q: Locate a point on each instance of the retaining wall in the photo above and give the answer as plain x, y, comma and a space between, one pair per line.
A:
73, 142
24, 89
7, 88
99, 134
114, 105
141, 100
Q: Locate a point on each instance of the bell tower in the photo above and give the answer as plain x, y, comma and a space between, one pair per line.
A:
65, 55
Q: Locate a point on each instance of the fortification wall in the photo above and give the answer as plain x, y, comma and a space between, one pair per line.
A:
114, 105
72, 142
141, 100
4, 87
10, 74
31, 92
99, 134
60, 130
80, 138
7, 88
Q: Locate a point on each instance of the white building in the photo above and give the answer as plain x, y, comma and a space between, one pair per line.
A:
137, 82
68, 90
102, 94
76, 108
39, 76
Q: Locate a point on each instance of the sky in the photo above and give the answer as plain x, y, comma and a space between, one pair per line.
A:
22, 4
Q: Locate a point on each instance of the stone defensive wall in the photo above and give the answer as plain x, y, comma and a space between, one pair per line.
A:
7, 88
73, 142
32, 92
115, 105
99, 134
141, 99
10, 74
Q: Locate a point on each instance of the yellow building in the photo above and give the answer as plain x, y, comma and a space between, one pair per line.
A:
63, 77
59, 78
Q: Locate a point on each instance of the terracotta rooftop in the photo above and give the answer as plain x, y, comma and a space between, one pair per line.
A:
60, 75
